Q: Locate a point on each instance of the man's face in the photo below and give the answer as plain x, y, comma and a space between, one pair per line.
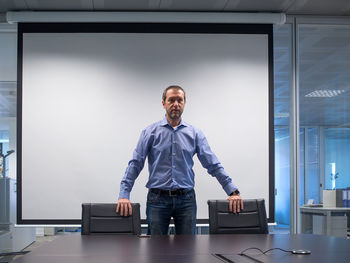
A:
174, 103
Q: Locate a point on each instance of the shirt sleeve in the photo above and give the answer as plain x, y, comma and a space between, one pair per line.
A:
210, 162
135, 166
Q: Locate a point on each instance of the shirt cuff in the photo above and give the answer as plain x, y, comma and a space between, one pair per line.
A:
124, 195
229, 188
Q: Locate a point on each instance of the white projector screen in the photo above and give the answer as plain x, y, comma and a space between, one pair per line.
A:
84, 98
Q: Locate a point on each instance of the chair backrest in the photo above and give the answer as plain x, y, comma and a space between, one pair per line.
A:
99, 218
251, 220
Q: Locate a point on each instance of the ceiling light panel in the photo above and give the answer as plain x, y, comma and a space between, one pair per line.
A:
135, 5
324, 93
198, 5
66, 5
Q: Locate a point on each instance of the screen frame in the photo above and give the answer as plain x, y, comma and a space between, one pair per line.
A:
186, 28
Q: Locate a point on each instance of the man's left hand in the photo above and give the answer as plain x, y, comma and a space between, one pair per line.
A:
236, 203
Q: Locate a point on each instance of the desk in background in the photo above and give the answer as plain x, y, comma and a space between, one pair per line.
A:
195, 249
331, 221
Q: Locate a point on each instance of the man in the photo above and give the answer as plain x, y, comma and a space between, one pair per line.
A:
170, 145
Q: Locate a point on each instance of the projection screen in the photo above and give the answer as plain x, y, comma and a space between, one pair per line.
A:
86, 91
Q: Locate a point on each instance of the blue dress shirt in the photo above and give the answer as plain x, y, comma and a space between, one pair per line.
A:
170, 154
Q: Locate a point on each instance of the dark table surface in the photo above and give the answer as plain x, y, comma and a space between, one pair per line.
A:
200, 248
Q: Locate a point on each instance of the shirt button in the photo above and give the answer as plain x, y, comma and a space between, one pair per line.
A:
174, 166
174, 154
173, 141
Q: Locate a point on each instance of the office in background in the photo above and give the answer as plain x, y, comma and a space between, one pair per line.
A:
311, 57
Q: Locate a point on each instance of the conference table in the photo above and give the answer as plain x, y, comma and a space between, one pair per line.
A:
181, 249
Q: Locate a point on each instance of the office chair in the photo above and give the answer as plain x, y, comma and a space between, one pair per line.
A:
99, 218
251, 220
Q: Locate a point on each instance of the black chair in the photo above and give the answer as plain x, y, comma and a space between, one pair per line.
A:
251, 220
101, 218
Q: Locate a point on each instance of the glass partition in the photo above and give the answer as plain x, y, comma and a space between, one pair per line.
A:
324, 117
282, 84
324, 95
337, 158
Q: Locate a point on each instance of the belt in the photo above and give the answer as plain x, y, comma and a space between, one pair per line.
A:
175, 192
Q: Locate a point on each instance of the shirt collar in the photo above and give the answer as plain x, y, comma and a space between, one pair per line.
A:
164, 122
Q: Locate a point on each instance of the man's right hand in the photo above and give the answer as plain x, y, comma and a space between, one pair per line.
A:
124, 206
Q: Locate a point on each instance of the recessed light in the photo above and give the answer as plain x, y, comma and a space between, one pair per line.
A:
324, 93
281, 115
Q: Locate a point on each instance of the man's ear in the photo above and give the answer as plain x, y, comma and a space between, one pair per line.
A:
163, 102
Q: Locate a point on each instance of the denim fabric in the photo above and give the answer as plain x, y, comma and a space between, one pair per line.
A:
161, 207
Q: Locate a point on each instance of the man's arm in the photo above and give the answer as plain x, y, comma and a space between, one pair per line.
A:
133, 170
209, 161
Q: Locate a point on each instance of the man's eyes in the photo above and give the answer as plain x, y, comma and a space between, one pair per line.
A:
172, 101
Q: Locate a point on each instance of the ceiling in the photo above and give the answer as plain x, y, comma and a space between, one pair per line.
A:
300, 7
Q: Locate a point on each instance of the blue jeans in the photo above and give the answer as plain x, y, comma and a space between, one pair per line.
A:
161, 207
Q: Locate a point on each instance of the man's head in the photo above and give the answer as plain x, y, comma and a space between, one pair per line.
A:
174, 100
175, 87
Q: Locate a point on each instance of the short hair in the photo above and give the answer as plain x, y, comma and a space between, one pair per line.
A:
175, 87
